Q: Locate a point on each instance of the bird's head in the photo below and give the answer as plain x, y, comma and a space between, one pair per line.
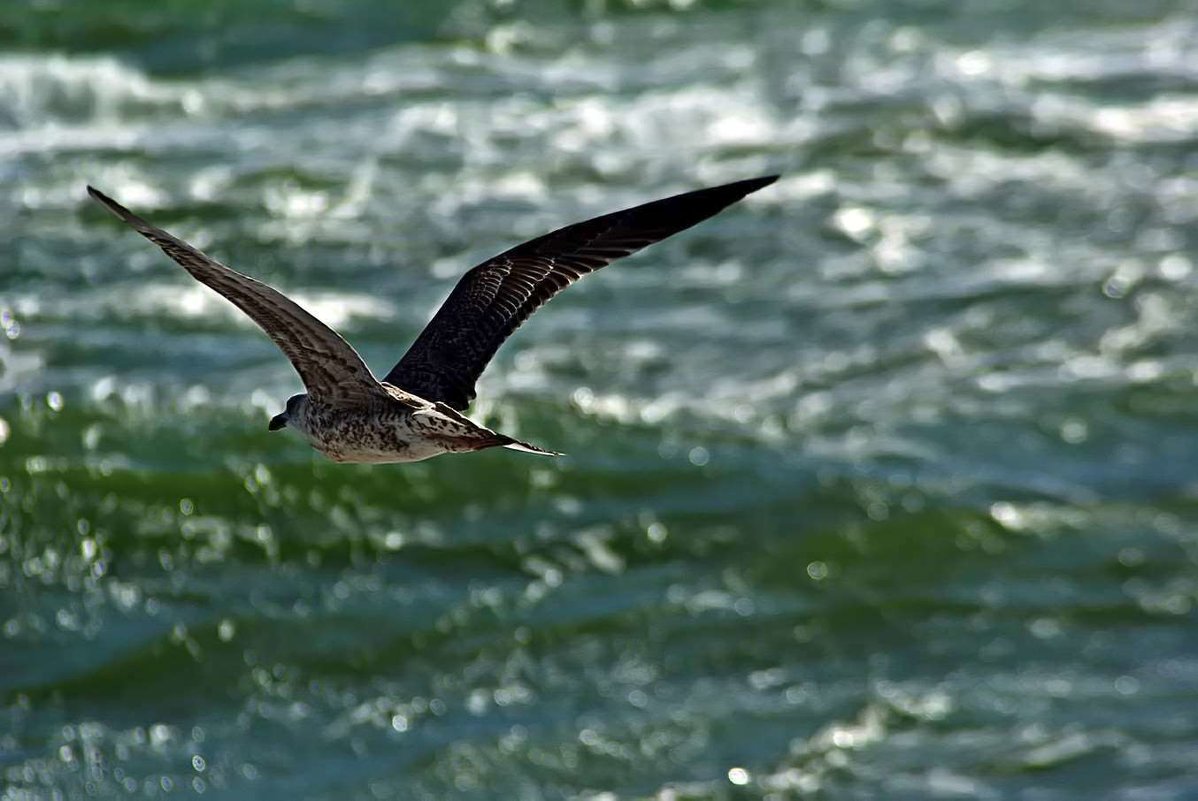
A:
291, 412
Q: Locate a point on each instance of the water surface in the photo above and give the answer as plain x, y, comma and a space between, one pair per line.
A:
880, 485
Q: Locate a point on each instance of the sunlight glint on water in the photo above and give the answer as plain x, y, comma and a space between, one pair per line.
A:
880, 484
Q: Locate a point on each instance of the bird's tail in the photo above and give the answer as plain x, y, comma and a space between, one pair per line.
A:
512, 444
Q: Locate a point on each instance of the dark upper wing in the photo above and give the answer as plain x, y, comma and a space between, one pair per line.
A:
329, 367
494, 298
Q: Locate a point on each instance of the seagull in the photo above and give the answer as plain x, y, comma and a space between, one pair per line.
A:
415, 411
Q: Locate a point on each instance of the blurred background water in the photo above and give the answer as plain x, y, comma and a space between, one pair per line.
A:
882, 484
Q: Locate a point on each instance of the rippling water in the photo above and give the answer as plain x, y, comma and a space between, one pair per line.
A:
882, 484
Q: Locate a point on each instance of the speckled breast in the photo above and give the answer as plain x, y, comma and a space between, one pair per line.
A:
371, 435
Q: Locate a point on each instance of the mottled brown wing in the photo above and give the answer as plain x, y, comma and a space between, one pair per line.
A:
494, 298
329, 367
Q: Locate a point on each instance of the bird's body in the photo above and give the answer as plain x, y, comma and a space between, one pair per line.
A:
395, 427
414, 412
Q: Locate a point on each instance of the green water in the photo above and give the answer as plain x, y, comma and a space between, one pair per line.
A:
881, 485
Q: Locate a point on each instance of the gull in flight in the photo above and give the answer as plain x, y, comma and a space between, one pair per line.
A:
415, 411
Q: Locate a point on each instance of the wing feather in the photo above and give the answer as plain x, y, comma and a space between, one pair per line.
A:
328, 365
494, 298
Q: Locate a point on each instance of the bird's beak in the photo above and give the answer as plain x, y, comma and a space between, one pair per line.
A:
277, 422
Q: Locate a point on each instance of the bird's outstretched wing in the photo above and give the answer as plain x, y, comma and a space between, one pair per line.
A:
494, 298
329, 367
